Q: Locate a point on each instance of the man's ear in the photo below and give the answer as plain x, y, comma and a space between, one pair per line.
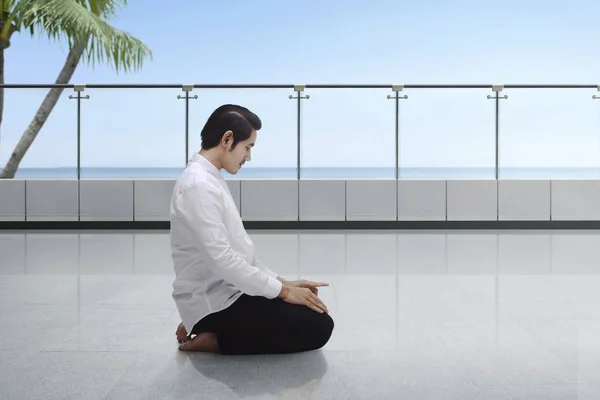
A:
227, 137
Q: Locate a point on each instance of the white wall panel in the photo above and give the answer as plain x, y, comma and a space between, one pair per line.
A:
472, 253
575, 253
152, 253
13, 258
52, 200
278, 200
576, 200
472, 200
322, 200
235, 187
523, 253
96, 260
106, 200
269, 200
278, 252
421, 200
422, 253
371, 200
523, 200
52, 253
372, 253
12, 200
152, 199
321, 254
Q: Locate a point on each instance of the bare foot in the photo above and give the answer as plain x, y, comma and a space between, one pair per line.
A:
182, 335
205, 342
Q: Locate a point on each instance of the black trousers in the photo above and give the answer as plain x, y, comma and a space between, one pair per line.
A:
257, 325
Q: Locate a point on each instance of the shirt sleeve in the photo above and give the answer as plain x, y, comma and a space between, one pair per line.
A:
202, 211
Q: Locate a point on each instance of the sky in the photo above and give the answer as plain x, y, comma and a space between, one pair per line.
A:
335, 41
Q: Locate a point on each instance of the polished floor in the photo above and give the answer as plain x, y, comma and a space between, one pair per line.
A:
419, 315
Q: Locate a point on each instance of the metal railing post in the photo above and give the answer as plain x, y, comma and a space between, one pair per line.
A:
497, 89
594, 96
298, 88
397, 89
79, 89
187, 88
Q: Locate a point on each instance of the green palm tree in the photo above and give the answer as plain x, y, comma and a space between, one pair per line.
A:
84, 24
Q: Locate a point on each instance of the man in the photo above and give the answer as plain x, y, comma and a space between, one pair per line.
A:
228, 300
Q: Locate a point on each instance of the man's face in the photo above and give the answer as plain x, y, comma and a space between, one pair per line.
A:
234, 159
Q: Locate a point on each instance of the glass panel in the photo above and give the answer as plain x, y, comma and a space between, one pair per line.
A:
274, 155
549, 134
132, 134
447, 134
348, 134
53, 153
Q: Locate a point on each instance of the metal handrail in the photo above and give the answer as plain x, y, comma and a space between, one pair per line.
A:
298, 89
291, 86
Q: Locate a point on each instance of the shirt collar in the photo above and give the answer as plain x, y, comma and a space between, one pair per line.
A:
197, 157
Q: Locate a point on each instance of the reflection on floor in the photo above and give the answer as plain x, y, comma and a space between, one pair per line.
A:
419, 315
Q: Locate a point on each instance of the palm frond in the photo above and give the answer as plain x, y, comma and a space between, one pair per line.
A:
83, 21
105, 8
7, 5
8, 17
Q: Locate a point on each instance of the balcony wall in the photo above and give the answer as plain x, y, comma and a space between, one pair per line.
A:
447, 144
311, 200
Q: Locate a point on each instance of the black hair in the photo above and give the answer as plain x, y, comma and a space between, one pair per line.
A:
229, 117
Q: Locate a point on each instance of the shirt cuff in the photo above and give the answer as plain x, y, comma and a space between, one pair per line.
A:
273, 288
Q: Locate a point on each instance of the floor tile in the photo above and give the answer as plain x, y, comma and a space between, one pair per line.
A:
418, 314
58, 375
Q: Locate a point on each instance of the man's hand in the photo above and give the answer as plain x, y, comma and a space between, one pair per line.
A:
302, 296
313, 286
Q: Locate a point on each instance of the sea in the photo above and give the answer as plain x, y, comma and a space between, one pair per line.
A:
316, 173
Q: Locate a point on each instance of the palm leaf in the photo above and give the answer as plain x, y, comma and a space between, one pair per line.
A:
7, 17
84, 21
7, 5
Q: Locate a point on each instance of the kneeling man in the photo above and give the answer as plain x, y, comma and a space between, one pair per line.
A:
229, 302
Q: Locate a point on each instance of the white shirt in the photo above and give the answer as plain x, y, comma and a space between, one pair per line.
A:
214, 258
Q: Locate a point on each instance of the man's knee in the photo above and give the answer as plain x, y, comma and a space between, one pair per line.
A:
328, 323
323, 330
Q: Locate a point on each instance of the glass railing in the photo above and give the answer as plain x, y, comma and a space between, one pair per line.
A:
313, 131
